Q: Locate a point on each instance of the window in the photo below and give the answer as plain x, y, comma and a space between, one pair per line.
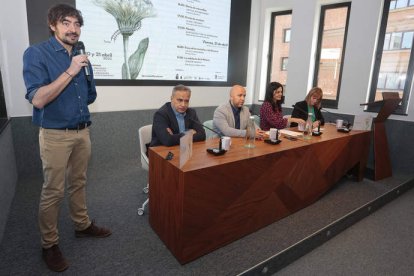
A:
387, 41
401, 4
279, 47
395, 41
407, 40
381, 80
394, 61
333, 28
398, 40
284, 63
286, 36
391, 81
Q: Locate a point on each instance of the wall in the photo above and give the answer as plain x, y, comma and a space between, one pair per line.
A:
8, 175
14, 40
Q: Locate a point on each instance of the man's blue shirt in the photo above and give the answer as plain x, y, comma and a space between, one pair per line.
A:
180, 119
236, 113
43, 63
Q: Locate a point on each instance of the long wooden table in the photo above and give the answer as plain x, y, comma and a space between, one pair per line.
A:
214, 200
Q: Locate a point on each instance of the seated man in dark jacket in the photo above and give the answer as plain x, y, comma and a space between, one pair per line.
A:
174, 118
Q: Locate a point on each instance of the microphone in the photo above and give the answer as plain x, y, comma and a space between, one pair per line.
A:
214, 151
348, 125
81, 49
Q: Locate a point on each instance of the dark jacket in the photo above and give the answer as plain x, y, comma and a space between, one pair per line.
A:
165, 118
301, 111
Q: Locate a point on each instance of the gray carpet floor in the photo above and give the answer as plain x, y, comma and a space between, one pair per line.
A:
114, 194
380, 244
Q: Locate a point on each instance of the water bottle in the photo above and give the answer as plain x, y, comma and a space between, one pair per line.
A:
307, 134
250, 133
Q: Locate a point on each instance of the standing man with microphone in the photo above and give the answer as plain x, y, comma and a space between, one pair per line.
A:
58, 89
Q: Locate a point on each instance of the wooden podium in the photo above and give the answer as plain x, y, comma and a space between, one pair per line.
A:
382, 161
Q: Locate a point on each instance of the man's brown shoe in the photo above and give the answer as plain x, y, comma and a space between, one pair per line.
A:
93, 231
54, 259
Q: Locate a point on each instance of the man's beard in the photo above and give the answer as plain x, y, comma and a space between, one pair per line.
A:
69, 41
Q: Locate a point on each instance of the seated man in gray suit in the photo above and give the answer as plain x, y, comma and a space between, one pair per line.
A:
230, 119
174, 118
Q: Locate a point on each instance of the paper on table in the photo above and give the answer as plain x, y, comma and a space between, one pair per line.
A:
186, 147
362, 122
291, 133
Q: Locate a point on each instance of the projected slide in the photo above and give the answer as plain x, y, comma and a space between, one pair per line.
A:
157, 39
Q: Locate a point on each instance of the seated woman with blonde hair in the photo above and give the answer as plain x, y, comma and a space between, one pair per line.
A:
311, 104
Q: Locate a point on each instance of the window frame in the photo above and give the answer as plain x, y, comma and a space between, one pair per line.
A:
271, 38
402, 108
326, 102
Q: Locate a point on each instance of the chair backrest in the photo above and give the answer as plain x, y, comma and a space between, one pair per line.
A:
144, 134
209, 133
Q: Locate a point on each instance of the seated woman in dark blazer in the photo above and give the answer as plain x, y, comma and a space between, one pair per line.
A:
311, 104
271, 110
